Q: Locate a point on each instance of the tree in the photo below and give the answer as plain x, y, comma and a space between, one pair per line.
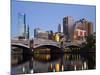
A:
90, 40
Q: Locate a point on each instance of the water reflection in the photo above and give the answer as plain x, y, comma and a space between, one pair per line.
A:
19, 55
46, 57
40, 63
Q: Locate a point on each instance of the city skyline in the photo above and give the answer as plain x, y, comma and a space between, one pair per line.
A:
47, 16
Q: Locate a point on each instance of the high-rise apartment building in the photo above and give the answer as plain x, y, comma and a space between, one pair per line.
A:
89, 28
68, 28
22, 25
23, 28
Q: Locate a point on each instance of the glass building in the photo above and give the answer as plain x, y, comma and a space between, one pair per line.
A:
68, 27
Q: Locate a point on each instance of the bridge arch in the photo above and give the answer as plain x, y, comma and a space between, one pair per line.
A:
48, 45
51, 48
20, 53
73, 47
22, 48
19, 45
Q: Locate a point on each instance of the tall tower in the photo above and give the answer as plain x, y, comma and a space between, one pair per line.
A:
36, 30
25, 26
60, 28
68, 27
22, 25
89, 28
27, 32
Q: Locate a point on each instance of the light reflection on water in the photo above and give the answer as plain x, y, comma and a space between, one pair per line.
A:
40, 63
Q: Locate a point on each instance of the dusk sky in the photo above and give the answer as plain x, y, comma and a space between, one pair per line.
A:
47, 16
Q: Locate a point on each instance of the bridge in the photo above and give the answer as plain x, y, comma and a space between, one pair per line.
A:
36, 43
42, 42
77, 43
20, 43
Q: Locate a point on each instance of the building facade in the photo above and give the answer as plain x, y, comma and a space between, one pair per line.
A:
82, 28
43, 35
89, 28
39, 33
68, 28
22, 25
79, 34
60, 28
50, 34
36, 30
27, 32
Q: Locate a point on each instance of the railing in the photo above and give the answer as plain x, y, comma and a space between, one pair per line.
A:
40, 42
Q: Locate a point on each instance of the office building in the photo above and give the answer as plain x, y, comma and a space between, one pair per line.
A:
36, 30
68, 28
60, 28
82, 28
43, 35
79, 30
39, 33
89, 28
27, 32
22, 25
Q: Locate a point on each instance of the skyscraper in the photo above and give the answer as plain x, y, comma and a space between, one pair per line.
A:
89, 28
36, 30
60, 28
68, 28
22, 25
27, 32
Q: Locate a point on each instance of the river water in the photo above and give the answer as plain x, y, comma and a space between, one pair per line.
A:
41, 63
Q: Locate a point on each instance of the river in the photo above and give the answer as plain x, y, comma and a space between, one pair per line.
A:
41, 63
